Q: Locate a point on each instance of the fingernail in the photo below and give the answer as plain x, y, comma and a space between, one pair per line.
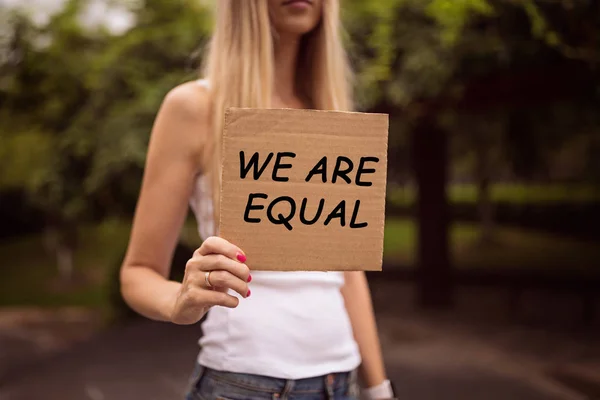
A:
241, 257
249, 278
248, 295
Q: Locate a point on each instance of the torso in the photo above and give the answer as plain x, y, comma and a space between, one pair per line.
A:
293, 326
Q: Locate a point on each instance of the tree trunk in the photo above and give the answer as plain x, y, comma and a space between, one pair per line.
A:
430, 159
61, 241
486, 211
64, 261
485, 207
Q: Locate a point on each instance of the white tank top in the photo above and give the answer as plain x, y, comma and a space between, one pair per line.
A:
293, 326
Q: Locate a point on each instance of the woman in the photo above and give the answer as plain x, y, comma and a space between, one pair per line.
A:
259, 344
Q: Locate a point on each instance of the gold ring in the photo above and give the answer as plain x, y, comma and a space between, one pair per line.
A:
207, 279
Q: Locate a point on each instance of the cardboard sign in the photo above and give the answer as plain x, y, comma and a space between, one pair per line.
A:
304, 189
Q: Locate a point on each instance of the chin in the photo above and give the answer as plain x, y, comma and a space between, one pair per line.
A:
295, 17
299, 27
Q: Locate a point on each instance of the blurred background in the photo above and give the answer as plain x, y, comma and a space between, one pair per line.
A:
491, 280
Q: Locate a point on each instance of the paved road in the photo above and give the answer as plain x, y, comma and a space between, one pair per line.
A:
152, 361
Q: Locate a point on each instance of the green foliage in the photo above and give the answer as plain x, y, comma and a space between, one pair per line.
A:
453, 15
372, 55
409, 52
78, 103
405, 50
20, 168
78, 107
541, 29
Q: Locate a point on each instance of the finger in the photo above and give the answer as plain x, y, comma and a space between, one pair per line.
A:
215, 298
217, 245
215, 262
223, 279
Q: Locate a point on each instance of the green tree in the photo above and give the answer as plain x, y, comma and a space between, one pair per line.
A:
435, 62
77, 105
407, 53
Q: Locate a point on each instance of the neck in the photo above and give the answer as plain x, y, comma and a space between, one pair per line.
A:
285, 61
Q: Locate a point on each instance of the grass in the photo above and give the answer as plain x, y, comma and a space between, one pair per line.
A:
400, 239
512, 248
29, 274
513, 193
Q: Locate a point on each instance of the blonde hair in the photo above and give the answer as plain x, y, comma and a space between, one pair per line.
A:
239, 68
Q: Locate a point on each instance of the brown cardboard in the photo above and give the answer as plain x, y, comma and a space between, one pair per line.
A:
311, 135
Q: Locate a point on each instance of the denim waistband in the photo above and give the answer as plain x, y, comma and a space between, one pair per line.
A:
316, 384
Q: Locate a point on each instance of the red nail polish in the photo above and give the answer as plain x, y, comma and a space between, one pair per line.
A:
249, 278
248, 295
241, 257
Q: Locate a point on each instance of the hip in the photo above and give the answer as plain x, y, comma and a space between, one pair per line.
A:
208, 384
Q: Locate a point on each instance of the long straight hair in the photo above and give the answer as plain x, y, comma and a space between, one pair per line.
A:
239, 68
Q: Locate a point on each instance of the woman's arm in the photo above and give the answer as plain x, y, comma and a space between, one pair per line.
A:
172, 164
357, 298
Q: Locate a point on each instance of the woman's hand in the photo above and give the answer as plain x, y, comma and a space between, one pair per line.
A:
215, 267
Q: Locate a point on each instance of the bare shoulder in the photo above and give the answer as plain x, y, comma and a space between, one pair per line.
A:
190, 100
184, 117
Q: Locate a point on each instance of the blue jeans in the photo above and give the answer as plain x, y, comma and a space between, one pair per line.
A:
208, 384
